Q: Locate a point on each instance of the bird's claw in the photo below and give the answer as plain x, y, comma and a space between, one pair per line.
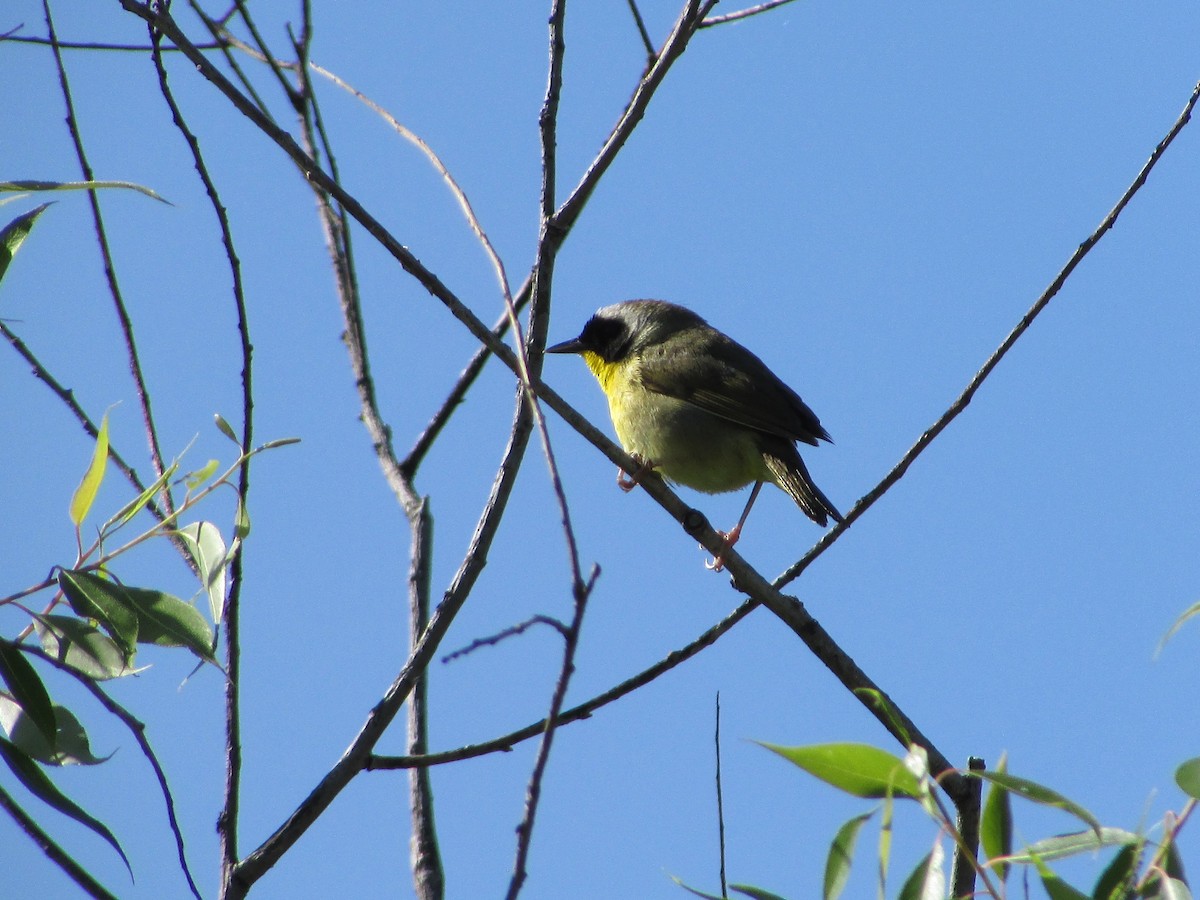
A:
627, 482
717, 563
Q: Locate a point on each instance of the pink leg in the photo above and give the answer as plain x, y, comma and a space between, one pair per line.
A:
731, 536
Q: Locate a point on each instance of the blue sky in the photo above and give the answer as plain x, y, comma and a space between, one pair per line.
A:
869, 196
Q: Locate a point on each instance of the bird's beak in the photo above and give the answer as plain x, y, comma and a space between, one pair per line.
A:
574, 345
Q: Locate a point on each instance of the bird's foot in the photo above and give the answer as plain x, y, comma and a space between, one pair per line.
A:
627, 482
730, 538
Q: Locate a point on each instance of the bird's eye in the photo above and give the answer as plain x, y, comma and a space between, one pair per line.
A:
608, 338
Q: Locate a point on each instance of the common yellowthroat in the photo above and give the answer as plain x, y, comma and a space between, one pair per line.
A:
697, 407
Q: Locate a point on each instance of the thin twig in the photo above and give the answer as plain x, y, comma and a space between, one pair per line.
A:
355, 757
138, 729
584, 710
720, 799
227, 819
67, 396
642, 33
743, 13
93, 45
110, 272
504, 634
1021, 327
534, 788
685, 27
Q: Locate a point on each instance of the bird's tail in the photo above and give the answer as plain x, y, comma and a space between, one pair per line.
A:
790, 473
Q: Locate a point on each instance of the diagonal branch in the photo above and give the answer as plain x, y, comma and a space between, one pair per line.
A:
1021, 327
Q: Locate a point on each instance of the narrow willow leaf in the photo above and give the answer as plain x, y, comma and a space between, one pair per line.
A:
857, 769
1064, 845
1057, 889
996, 825
692, 890
71, 745
169, 622
1187, 776
82, 646
30, 775
13, 235
241, 521
95, 598
7, 186
280, 442
1174, 863
85, 494
27, 689
207, 549
1173, 889
138, 503
1116, 881
754, 892
1031, 790
196, 479
1188, 613
841, 855
928, 880
226, 429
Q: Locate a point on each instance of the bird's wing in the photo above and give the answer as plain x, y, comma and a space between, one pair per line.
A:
722, 377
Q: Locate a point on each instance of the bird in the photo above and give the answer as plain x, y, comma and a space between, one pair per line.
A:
694, 406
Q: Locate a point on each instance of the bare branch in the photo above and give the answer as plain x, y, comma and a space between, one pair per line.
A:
743, 13
504, 634
1021, 327
110, 272
227, 819
534, 789
577, 713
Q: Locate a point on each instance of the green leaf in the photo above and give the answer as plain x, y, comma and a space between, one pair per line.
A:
996, 825
1188, 613
30, 775
1171, 889
207, 549
1174, 862
1187, 776
858, 769
1064, 845
82, 646
1057, 889
841, 855
96, 598
138, 503
196, 479
9, 186
1116, 881
927, 881
13, 235
27, 689
85, 494
241, 521
169, 622
71, 745
692, 890
226, 429
278, 442
1031, 790
756, 893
